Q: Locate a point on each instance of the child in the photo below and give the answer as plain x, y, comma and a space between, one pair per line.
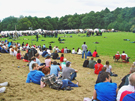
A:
61, 58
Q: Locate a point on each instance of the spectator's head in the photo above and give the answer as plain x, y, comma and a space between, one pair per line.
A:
107, 62
99, 60
18, 51
87, 58
68, 63
104, 69
37, 55
131, 79
65, 60
55, 51
84, 42
73, 48
95, 50
89, 50
132, 70
34, 66
62, 55
50, 44
123, 51
91, 58
118, 52
46, 71
54, 63
15, 48
48, 57
105, 77
33, 58
45, 49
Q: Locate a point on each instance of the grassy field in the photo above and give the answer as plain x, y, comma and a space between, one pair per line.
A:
109, 43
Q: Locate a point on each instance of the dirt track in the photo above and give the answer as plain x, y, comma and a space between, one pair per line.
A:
19, 90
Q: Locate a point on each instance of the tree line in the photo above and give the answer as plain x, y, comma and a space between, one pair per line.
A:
122, 19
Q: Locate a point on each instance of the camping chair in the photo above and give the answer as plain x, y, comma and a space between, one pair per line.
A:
123, 58
117, 57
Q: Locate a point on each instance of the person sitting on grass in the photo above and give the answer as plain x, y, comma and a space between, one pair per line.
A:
69, 73
38, 61
95, 54
62, 50
91, 63
18, 56
127, 58
48, 61
55, 55
73, 51
79, 51
109, 69
98, 67
35, 75
86, 62
54, 69
63, 64
45, 53
53, 82
62, 57
105, 91
89, 53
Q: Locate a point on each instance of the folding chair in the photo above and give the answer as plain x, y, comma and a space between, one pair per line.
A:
117, 57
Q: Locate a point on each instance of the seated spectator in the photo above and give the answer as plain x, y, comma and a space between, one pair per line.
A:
54, 49
98, 78
0, 47
40, 51
86, 62
62, 57
116, 54
127, 58
3, 50
129, 97
49, 52
50, 47
38, 61
65, 50
89, 53
105, 91
54, 69
58, 51
108, 68
48, 61
91, 63
33, 60
95, 54
15, 51
62, 50
34, 75
130, 87
18, 56
69, 73
98, 66
54, 82
26, 56
73, 51
55, 55
43, 47
79, 51
63, 64
45, 53
11, 50
125, 80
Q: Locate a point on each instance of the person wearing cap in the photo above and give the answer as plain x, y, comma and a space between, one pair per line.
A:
63, 64
69, 73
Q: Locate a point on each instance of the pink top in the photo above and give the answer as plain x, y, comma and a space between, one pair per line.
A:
47, 61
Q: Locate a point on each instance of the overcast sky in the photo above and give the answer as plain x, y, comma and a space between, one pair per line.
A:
57, 8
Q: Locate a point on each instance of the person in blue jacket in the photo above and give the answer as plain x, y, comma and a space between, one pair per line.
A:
89, 53
34, 75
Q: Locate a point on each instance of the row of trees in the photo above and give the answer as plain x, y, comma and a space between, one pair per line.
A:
120, 19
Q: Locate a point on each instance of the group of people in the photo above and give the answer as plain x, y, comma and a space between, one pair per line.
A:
60, 75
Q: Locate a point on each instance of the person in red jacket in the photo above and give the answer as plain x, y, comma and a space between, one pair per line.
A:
95, 54
62, 50
18, 56
98, 66
62, 57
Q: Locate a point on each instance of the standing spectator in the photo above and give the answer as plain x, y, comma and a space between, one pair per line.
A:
84, 47
50, 47
37, 37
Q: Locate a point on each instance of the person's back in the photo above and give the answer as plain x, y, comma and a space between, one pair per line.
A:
55, 56
98, 67
129, 97
94, 54
86, 62
91, 63
44, 53
54, 69
89, 53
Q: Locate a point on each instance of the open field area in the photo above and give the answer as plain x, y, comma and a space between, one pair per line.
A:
109, 44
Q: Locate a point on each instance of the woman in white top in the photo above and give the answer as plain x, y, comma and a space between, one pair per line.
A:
15, 51
40, 51
11, 50
79, 51
108, 67
73, 51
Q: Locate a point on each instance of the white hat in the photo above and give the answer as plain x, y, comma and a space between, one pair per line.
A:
65, 59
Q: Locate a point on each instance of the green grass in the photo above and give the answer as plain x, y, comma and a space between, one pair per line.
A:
107, 46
